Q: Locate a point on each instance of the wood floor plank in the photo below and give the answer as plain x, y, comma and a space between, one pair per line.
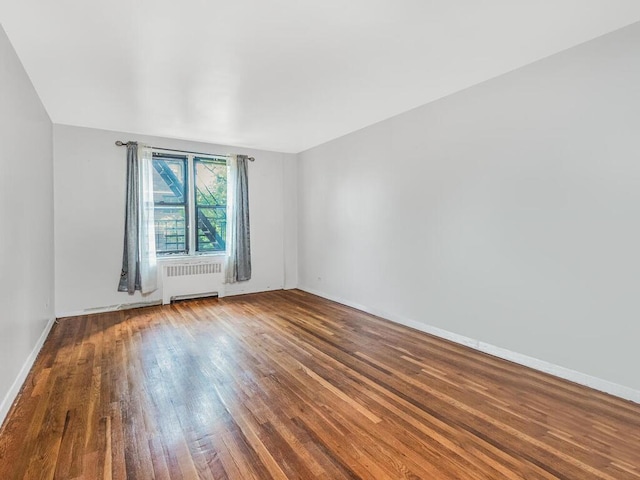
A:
285, 385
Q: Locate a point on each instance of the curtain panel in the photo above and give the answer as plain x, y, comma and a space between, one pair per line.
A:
238, 259
139, 269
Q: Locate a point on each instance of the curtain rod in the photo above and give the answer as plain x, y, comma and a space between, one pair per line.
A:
124, 144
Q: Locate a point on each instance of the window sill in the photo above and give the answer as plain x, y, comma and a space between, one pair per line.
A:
190, 258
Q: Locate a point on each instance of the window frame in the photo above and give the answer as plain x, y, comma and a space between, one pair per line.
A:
190, 202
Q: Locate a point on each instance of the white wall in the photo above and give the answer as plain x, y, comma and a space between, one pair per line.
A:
26, 224
90, 173
290, 178
508, 213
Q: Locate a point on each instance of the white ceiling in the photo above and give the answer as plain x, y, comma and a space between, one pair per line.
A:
281, 75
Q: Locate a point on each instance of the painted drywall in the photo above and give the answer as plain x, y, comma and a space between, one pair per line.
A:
90, 172
507, 213
26, 223
290, 192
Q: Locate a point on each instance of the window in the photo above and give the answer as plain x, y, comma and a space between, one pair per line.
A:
189, 191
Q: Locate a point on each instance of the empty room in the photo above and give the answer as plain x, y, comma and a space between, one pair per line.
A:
335, 240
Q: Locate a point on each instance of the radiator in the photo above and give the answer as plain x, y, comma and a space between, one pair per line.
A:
192, 280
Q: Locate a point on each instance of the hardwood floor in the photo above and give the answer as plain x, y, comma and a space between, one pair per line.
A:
288, 385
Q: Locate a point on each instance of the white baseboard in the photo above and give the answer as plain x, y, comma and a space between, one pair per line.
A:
596, 383
242, 288
110, 308
230, 291
13, 392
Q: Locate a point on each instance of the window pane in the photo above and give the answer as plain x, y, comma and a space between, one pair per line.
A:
211, 182
171, 232
211, 204
212, 229
168, 180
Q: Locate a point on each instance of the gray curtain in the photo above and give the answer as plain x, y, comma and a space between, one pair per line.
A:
130, 275
243, 237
